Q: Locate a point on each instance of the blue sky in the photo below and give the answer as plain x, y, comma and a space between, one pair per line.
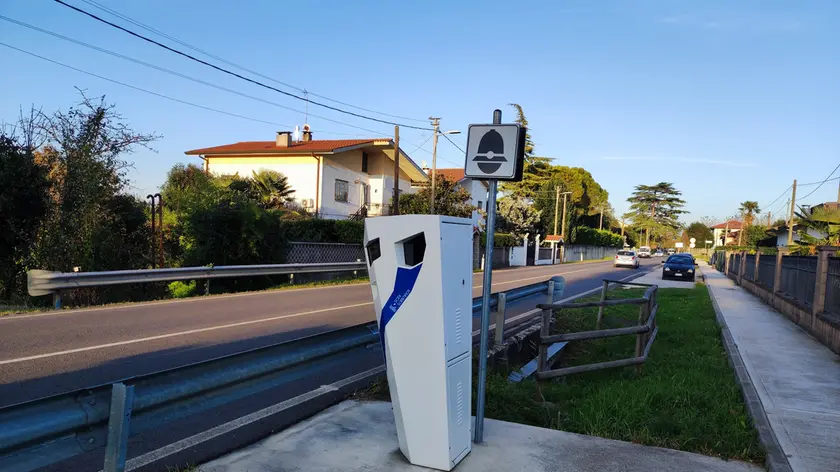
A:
729, 100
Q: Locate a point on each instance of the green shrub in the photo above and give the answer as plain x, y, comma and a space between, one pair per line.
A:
502, 240
595, 237
180, 289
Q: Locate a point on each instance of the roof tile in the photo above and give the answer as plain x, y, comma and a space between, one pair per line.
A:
261, 147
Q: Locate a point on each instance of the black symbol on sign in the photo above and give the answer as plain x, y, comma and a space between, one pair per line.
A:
491, 152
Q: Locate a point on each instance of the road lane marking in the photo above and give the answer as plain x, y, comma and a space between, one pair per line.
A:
538, 277
212, 433
124, 305
180, 333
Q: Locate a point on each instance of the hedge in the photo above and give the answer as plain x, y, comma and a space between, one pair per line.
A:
324, 231
502, 240
596, 237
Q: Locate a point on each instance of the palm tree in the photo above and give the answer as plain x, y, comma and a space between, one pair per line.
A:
748, 210
270, 188
823, 220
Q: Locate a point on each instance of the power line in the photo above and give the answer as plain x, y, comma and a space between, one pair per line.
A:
419, 146
178, 74
818, 182
780, 196
821, 183
221, 59
453, 143
144, 90
234, 74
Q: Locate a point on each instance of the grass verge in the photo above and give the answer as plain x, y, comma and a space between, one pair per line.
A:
685, 398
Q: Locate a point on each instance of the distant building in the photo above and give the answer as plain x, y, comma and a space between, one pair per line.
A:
720, 235
335, 178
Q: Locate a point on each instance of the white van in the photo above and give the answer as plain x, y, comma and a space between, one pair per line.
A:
644, 251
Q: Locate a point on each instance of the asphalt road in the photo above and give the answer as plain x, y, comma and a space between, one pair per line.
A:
50, 353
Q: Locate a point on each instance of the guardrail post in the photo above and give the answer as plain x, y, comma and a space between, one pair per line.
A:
57, 299
818, 305
755, 269
207, 287
601, 308
542, 357
777, 277
119, 422
550, 298
500, 318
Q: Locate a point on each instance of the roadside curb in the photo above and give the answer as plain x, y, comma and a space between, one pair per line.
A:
776, 460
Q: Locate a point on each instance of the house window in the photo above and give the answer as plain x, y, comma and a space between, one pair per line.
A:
342, 188
480, 204
364, 162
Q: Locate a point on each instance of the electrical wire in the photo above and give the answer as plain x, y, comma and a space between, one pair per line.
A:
821, 183
144, 90
780, 196
818, 182
453, 143
178, 74
221, 59
234, 74
419, 146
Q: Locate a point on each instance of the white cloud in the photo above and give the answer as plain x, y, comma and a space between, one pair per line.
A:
687, 160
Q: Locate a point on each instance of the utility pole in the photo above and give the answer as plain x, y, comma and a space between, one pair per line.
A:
769, 217
838, 191
396, 199
790, 219
557, 206
601, 220
436, 125
622, 227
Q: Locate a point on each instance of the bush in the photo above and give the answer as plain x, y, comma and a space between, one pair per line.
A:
596, 237
502, 240
180, 289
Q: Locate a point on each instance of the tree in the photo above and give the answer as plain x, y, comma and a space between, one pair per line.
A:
656, 208
270, 188
748, 211
699, 231
90, 210
450, 199
820, 227
24, 201
517, 216
536, 170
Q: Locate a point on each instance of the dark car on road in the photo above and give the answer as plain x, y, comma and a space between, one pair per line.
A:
680, 266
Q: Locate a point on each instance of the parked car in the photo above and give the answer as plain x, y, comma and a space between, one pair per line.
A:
626, 259
644, 251
658, 253
671, 251
679, 266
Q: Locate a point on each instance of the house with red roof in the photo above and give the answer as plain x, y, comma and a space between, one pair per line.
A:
726, 233
334, 178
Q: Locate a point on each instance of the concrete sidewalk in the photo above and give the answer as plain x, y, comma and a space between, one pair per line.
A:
791, 382
361, 436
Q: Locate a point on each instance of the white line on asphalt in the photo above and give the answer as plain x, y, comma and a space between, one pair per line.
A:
117, 306
534, 278
181, 333
192, 441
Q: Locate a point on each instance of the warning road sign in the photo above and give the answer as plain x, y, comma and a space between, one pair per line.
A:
493, 152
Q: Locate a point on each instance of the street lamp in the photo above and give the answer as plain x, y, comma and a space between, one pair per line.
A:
436, 124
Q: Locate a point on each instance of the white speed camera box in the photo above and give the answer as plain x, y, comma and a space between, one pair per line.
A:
420, 270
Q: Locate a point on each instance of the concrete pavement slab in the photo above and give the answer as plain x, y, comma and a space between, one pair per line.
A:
361, 436
796, 379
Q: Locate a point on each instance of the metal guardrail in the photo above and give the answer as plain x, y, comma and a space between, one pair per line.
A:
645, 331
44, 282
44, 432
47, 431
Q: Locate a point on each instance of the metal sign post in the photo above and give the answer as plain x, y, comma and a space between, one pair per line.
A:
493, 152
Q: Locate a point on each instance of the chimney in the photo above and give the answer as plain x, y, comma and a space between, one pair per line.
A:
284, 139
307, 135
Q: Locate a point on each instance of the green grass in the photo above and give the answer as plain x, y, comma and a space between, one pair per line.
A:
685, 398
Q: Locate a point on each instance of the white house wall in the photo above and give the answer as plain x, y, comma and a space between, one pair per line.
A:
302, 171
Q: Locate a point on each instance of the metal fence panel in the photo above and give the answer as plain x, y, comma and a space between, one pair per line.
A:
749, 269
799, 277
313, 253
767, 270
832, 286
734, 264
